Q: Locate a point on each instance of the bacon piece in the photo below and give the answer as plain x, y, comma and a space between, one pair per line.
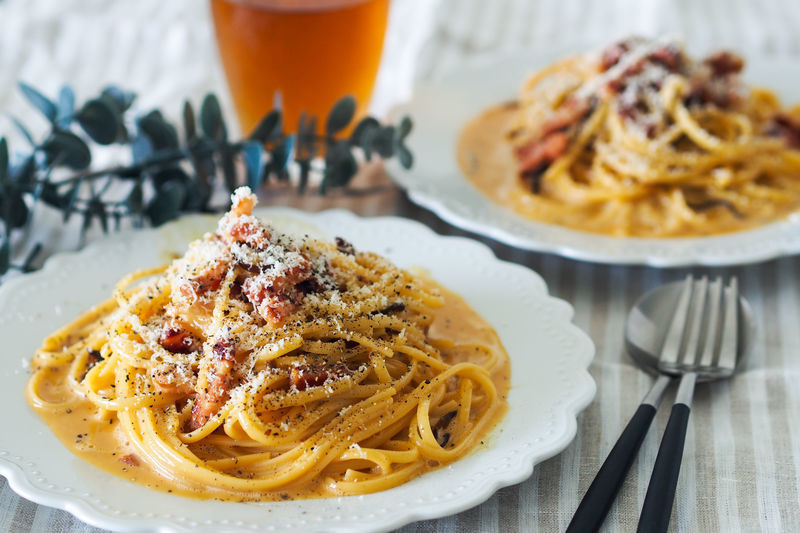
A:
724, 63
92, 359
240, 226
571, 112
302, 377
344, 246
537, 155
786, 127
669, 56
176, 338
214, 384
274, 295
209, 279
612, 54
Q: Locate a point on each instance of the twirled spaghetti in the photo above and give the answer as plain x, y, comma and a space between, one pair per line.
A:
639, 140
260, 367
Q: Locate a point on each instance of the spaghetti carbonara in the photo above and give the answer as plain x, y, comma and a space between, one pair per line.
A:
640, 140
263, 367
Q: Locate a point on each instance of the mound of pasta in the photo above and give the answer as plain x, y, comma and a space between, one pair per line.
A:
640, 140
260, 366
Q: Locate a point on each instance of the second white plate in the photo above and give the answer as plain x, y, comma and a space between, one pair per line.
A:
442, 107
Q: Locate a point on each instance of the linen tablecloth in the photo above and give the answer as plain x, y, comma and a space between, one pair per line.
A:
741, 469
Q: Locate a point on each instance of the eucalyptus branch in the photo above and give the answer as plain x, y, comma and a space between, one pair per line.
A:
173, 169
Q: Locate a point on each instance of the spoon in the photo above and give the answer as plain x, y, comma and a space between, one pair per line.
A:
645, 332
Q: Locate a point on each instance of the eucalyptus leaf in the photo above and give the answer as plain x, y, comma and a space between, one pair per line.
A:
166, 205
23, 130
280, 156
189, 124
340, 115
383, 141
68, 149
405, 156
364, 130
15, 210
253, 155
211, 120
39, 101
228, 164
99, 121
98, 210
340, 166
269, 128
24, 173
171, 173
141, 149
404, 128
161, 133
5, 255
50, 196
120, 99
66, 107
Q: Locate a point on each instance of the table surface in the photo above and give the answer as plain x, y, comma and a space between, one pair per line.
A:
741, 469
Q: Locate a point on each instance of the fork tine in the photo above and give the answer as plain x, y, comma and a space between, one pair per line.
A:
697, 306
672, 341
730, 328
712, 326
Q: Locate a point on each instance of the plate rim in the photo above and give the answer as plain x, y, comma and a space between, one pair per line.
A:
781, 238
18, 472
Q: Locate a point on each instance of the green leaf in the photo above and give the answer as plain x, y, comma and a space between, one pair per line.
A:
141, 148
51, 197
340, 115
405, 156
189, 124
205, 171
162, 134
365, 128
269, 128
5, 255
39, 101
99, 120
211, 118
280, 156
226, 155
253, 155
24, 131
25, 172
119, 99
3, 160
66, 107
166, 204
174, 173
340, 166
15, 212
68, 149
383, 141
405, 127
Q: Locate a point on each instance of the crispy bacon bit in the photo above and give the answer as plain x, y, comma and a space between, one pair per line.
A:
275, 294
130, 460
344, 246
176, 338
724, 63
536, 156
786, 127
391, 308
208, 280
302, 377
214, 383
92, 359
239, 224
612, 54
669, 56
571, 112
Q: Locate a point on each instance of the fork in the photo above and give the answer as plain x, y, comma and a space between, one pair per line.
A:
696, 321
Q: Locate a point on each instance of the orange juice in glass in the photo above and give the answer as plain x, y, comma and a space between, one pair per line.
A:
311, 51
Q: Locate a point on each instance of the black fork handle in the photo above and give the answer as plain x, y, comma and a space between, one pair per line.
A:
660, 495
604, 488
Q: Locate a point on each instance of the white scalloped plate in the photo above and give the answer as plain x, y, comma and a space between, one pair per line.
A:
440, 108
550, 383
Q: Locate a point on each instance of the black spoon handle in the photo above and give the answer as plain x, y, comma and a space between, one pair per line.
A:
601, 493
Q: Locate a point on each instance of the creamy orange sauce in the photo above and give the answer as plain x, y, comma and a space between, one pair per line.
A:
98, 439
